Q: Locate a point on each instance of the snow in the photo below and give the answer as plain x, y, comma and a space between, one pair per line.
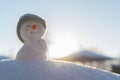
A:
31, 64
3, 57
51, 70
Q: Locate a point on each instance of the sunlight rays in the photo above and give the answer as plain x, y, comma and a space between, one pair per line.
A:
63, 45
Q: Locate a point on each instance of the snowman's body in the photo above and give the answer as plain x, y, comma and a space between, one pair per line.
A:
31, 63
28, 53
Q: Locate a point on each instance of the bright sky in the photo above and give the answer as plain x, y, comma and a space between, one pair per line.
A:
71, 24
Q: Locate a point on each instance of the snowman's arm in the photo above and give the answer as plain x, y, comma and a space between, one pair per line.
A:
38, 45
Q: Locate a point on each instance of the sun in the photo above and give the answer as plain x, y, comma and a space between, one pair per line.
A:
63, 45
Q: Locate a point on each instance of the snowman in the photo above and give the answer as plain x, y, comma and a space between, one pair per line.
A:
31, 63
30, 31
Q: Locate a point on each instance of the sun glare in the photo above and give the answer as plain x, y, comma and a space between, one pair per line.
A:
63, 45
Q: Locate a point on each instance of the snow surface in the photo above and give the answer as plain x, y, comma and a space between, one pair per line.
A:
51, 70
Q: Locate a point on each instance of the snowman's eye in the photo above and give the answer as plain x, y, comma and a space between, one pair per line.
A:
27, 25
38, 25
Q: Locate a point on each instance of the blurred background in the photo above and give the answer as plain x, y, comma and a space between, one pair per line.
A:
81, 31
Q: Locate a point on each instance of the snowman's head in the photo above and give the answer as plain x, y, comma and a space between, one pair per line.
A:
30, 25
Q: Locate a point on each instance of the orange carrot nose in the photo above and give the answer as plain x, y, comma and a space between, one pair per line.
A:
34, 26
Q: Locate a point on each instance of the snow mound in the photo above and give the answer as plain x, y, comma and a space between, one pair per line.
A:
51, 70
